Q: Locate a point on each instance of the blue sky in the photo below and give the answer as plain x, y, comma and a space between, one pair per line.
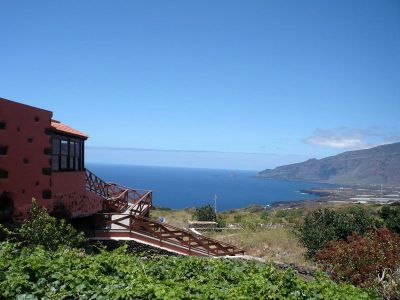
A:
224, 84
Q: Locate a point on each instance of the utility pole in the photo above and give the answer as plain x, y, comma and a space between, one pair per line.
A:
215, 204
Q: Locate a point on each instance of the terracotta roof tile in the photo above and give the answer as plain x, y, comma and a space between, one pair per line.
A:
57, 126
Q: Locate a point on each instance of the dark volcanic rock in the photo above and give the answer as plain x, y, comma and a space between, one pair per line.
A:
378, 165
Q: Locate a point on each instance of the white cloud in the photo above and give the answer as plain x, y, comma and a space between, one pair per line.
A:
350, 138
337, 142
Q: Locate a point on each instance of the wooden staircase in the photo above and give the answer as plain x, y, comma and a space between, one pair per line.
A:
129, 221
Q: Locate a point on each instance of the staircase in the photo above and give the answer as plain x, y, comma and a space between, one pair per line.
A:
128, 220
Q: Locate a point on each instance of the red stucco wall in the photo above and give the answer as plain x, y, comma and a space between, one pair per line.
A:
69, 188
26, 136
24, 160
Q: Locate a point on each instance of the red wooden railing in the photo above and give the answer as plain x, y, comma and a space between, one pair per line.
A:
118, 197
95, 184
165, 235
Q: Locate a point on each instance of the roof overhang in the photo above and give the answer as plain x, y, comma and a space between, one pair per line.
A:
58, 127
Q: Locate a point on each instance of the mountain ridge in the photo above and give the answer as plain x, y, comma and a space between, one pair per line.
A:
377, 165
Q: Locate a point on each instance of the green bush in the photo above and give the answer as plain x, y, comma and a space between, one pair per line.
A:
70, 274
5, 233
45, 230
237, 218
265, 214
391, 217
324, 225
282, 213
205, 213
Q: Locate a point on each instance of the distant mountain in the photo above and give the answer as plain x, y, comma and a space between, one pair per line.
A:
378, 165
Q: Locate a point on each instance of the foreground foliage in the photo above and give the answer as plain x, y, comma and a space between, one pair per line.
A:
49, 232
37, 273
369, 261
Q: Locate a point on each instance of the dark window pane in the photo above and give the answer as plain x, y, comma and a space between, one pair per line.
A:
55, 166
64, 147
78, 148
77, 168
64, 162
55, 146
71, 162
71, 148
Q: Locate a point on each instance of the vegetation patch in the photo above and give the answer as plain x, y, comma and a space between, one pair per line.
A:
72, 274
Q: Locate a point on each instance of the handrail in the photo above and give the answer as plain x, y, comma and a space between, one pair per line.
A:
220, 246
117, 197
127, 188
169, 241
95, 184
187, 231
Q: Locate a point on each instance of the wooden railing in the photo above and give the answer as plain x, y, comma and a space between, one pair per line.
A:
122, 197
118, 197
143, 206
165, 234
95, 184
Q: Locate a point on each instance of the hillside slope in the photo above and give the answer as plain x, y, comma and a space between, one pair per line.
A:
378, 165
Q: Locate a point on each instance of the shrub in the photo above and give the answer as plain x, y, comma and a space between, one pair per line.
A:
265, 214
237, 218
42, 229
5, 233
282, 213
361, 259
205, 213
391, 217
324, 225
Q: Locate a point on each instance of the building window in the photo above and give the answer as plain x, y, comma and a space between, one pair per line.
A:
66, 154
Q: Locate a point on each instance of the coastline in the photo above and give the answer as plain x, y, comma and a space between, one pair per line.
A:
345, 195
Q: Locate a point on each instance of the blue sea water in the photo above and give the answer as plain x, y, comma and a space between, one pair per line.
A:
185, 187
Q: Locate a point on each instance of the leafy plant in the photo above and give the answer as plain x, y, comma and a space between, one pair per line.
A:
265, 214
45, 230
362, 260
391, 217
237, 218
324, 225
69, 274
205, 213
5, 233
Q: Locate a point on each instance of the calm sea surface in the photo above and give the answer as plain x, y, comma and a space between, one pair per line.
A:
184, 187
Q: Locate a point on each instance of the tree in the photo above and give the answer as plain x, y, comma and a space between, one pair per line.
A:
205, 213
45, 230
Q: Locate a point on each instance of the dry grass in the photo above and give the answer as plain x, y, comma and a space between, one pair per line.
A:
178, 218
274, 244
277, 243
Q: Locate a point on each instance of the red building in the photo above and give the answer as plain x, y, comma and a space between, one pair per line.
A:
44, 159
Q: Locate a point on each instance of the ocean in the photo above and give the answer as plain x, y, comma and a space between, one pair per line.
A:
179, 188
